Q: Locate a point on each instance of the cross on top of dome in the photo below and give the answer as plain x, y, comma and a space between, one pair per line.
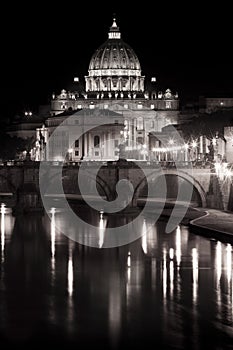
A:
114, 32
114, 25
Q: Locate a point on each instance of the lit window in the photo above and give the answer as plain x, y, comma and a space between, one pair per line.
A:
139, 106
126, 106
91, 106
79, 106
152, 106
105, 106
168, 104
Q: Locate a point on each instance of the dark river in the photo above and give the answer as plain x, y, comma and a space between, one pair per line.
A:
163, 291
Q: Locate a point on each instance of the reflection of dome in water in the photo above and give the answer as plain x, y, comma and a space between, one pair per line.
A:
114, 66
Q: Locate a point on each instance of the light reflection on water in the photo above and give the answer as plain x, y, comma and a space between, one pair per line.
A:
159, 287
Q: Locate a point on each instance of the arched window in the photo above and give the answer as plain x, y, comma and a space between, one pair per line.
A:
96, 141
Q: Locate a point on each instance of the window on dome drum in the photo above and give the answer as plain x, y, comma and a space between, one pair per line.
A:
168, 105
77, 153
77, 144
96, 141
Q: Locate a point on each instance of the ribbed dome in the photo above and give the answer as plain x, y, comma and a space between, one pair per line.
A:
114, 66
114, 54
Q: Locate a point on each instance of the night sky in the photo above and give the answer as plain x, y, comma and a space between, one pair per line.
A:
44, 48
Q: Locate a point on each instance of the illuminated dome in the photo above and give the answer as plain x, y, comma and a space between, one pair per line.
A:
114, 66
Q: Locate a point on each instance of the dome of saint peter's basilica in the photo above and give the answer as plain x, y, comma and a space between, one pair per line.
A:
114, 66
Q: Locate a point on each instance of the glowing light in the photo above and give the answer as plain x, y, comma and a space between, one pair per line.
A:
178, 246
164, 274
171, 268
171, 142
195, 273
101, 230
129, 259
70, 150
53, 232
228, 262
194, 144
186, 146
3, 211
171, 253
144, 237
218, 261
128, 274
214, 141
70, 276
228, 173
3, 208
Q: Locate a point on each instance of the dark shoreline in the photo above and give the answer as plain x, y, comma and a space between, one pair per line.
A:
190, 220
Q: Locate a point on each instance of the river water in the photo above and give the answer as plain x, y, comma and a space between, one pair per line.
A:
163, 291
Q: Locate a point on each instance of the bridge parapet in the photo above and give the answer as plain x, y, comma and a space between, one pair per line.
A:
109, 173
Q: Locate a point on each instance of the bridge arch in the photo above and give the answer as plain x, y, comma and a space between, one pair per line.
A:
186, 176
73, 178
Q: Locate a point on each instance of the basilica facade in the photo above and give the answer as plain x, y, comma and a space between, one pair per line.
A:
115, 95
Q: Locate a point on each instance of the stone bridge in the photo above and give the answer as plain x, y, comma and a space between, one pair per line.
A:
20, 181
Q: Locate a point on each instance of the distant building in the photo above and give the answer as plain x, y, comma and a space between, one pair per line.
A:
212, 104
